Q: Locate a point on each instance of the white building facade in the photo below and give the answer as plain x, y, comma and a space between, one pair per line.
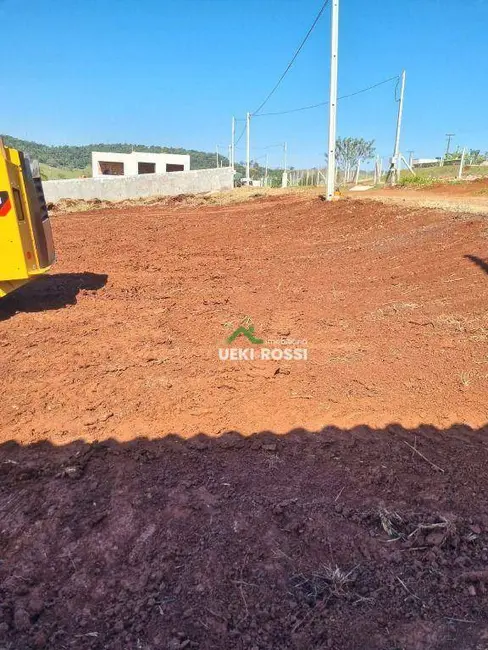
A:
137, 162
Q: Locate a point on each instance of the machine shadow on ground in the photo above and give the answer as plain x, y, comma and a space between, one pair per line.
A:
341, 538
49, 292
478, 261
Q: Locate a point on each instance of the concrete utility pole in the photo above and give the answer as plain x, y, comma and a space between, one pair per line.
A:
266, 173
449, 136
334, 47
248, 148
396, 153
217, 149
394, 171
233, 141
284, 179
410, 157
461, 164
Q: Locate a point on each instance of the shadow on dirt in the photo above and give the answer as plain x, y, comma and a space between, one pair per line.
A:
50, 292
308, 540
478, 261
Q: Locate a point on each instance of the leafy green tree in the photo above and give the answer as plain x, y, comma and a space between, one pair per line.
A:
472, 157
349, 151
475, 157
453, 155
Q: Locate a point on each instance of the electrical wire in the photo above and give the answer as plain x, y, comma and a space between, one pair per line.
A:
240, 137
397, 99
364, 90
275, 88
306, 108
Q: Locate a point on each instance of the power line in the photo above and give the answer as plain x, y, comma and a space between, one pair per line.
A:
306, 108
293, 110
240, 137
364, 90
293, 59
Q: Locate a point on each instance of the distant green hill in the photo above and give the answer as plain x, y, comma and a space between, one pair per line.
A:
74, 161
72, 157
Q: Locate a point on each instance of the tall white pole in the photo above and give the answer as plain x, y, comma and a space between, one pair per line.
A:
233, 145
461, 164
217, 149
248, 147
266, 173
334, 46
396, 151
284, 180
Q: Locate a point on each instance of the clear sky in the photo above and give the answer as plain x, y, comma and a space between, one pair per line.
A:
173, 72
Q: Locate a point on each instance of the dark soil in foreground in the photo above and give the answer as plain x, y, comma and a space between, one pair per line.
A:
340, 539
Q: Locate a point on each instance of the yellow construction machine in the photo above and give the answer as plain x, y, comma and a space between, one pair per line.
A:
26, 241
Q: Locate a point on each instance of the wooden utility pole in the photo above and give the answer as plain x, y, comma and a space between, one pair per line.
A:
448, 146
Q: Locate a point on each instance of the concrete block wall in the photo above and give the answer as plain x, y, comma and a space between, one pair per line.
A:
118, 188
131, 161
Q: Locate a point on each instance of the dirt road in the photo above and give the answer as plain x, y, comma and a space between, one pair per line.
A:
469, 196
359, 520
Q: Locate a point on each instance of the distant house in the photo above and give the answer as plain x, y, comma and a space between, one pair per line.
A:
425, 162
137, 162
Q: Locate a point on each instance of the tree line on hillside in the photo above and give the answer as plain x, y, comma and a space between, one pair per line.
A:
79, 157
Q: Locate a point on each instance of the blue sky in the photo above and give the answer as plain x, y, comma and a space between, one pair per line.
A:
173, 72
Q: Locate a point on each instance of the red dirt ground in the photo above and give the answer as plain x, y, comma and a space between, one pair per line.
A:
344, 538
468, 195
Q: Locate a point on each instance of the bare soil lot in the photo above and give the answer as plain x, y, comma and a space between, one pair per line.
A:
469, 196
153, 496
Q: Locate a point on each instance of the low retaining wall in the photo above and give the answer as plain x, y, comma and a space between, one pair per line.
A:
118, 188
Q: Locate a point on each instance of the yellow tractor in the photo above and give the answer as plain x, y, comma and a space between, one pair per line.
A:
26, 241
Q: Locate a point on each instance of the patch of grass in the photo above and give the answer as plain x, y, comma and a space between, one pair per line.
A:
447, 172
416, 181
49, 173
